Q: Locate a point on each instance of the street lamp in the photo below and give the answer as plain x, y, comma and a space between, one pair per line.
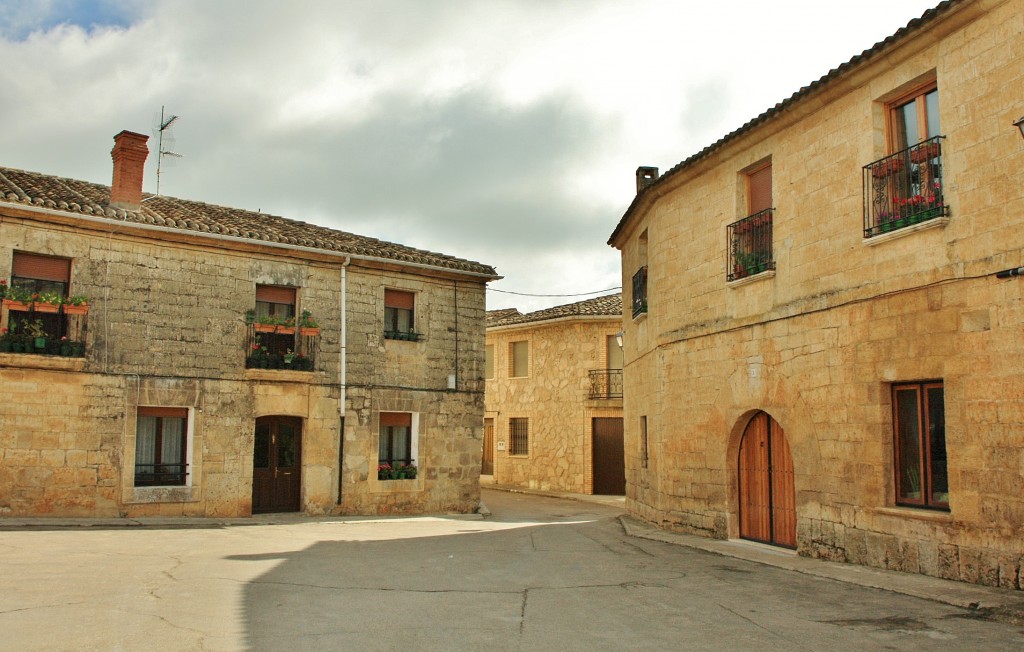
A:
1020, 125
618, 338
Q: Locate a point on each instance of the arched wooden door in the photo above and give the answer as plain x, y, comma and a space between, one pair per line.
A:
767, 493
277, 465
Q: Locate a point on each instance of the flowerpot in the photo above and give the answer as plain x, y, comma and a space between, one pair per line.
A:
65, 349
76, 310
5, 347
309, 331
274, 328
887, 168
925, 153
17, 347
45, 307
15, 305
40, 342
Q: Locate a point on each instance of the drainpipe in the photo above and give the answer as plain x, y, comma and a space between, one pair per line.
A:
343, 370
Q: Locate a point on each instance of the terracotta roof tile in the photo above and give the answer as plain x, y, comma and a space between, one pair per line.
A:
606, 306
92, 199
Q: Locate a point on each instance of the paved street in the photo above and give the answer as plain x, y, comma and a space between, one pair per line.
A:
539, 574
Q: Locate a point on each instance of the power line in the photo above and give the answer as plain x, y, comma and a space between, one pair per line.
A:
578, 294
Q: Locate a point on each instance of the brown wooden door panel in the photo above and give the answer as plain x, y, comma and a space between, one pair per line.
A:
277, 465
609, 456
766, 478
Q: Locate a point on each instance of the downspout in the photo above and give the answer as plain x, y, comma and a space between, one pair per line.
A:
343, 371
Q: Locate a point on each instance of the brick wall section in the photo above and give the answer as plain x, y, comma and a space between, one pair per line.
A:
554, 397
819, 344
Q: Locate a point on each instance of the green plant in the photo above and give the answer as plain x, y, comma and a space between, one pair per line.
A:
77, 300
307, 321
34, 329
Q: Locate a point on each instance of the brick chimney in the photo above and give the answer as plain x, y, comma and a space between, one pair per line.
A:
129, 156
645, 176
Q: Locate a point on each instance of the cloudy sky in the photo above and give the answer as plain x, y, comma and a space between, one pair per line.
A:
503, 131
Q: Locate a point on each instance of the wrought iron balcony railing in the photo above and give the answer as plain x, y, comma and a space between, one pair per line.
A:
282, 347
904, 188
640, 291
605, 383
169, 475
750, 245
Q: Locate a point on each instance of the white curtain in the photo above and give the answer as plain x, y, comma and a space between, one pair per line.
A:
145, 441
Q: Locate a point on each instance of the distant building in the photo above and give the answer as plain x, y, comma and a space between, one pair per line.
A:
820, 352
553, 415
220, 362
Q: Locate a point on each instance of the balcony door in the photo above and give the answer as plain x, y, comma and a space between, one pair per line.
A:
277, 465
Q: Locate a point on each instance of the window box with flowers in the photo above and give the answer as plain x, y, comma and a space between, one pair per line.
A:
404, 471
42, 323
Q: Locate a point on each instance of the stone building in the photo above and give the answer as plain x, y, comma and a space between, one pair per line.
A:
553, 404
820, 350
227, 362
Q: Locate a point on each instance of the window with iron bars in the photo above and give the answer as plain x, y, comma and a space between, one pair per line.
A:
519, 436
750, 245
640, 291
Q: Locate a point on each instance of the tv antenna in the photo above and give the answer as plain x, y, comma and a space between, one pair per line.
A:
165, 124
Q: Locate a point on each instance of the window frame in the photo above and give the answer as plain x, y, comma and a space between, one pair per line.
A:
926, 456
160, 413
513, 367
55, 324
388, 424
400, 315
917, 95
271, 301
519, 436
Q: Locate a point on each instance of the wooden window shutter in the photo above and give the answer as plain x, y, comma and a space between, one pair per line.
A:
275, 294
43, 268
162, 412
399, 299
396, 419
759, 184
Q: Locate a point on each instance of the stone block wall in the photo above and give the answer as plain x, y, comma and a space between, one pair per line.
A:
166, 327
820, 343
554, 397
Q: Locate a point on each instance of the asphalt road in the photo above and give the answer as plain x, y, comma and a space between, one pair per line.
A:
539, 574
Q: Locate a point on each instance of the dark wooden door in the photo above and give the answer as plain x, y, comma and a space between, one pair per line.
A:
767, 489
609, 457
277, 465
487, 461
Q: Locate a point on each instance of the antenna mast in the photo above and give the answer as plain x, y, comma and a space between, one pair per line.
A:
165, 124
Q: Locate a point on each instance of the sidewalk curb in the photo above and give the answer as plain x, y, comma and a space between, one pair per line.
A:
1001, 604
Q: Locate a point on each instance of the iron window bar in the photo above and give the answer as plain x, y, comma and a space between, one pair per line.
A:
750, 245
605, 383
904, 188
640, 291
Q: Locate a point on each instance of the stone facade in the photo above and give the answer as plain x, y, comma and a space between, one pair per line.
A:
820, 341
167, 327
555, 396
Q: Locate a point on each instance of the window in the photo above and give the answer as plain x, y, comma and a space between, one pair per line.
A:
519, 436
750, 238
639, 295
275, 307
161, 446
920, 445
519, 355
399, 309
48, 278
489, 362
396, 442
905, 187
643, 442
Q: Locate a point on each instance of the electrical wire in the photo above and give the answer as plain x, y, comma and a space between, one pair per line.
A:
578, 294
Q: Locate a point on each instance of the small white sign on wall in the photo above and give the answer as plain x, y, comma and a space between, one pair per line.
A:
501, 445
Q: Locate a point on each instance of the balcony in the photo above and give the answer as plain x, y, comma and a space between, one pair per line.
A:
605, 384
750, 246
281, 347
640, 291
53, 328
904, 189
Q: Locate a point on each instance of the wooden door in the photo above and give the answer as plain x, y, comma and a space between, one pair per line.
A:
277, 465
609, 457
487, 461
767, 489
